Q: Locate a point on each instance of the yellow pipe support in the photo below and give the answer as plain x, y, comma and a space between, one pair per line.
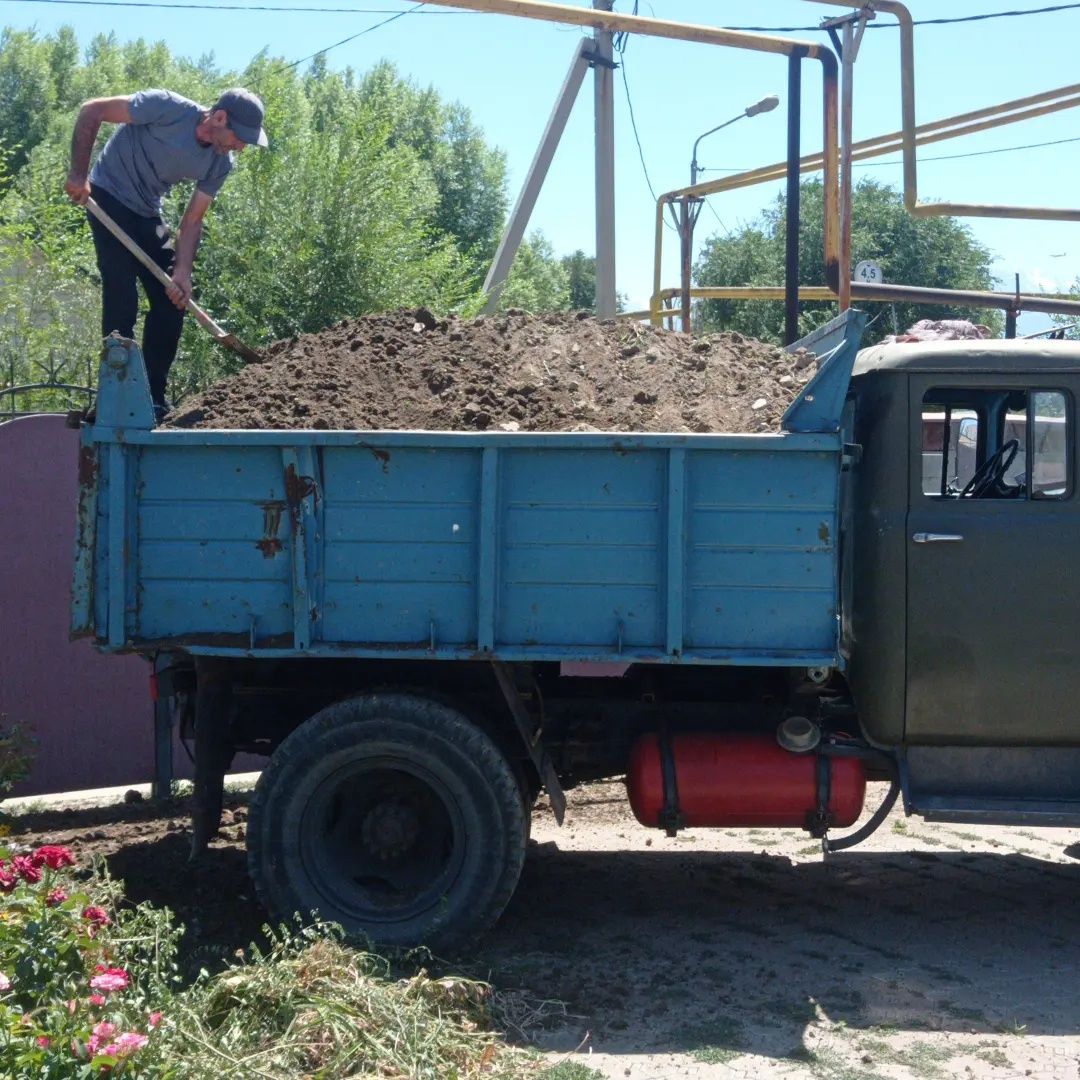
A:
908, 127
1047, 303
600, 19
639, 24
931, 132
934, 131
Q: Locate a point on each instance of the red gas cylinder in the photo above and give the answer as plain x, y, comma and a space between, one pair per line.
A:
740, 780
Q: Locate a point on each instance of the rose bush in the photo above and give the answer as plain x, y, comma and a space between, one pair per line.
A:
84, 977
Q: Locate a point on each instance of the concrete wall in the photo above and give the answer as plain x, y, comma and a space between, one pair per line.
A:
91, 713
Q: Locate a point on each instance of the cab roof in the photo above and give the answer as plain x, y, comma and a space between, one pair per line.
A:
1016, 355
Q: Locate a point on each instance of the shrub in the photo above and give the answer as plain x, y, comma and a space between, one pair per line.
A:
82, 978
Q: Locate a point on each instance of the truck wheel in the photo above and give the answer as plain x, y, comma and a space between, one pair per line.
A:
392, 815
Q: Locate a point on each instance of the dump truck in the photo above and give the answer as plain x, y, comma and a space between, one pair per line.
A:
424, 631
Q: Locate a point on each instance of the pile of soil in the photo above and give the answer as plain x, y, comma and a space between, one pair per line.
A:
563, 371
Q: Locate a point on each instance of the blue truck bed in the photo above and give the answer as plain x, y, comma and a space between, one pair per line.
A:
605, 547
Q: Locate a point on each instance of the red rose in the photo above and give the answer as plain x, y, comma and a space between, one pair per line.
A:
8, 881
54, 856
24, 866
96, 915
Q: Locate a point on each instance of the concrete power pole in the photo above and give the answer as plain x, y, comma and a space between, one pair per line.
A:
604, 84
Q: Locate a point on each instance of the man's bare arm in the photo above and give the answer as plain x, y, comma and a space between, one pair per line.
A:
92, 115
187, 243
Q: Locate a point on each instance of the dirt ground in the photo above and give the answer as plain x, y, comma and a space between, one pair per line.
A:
563, 371
931, 951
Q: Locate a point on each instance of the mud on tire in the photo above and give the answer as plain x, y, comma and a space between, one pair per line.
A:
394, 816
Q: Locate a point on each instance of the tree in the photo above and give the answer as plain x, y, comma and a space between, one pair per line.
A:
537, 280
341, 216
581, 279
937, 252
27, 94
374, 194
469, 175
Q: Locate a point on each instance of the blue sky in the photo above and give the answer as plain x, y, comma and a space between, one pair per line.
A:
508, 72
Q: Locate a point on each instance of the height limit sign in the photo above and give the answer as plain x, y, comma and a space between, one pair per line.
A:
869, 273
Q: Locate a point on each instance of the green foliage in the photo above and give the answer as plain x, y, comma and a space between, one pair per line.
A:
537, 280
89, 986
469, 176
935, 252
16, 754
310, 1006
82, 977
374, 194
581, 280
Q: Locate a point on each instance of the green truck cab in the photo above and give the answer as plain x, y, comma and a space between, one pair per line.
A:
962, 608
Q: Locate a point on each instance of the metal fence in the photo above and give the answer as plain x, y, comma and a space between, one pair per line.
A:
58, 385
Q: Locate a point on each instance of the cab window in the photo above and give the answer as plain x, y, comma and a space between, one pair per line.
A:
996, 444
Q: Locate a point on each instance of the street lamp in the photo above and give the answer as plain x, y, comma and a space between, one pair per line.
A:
690, 205
766, 104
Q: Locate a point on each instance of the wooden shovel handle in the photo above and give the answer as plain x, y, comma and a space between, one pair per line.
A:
152, 266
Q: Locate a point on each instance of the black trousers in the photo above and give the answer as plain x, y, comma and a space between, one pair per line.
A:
119, 296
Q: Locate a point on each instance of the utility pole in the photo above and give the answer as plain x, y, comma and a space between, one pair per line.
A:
689, 208
604, 98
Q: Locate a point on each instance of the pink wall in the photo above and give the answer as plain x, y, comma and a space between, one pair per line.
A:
91, 713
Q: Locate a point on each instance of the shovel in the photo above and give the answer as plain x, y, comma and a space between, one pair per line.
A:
227, 340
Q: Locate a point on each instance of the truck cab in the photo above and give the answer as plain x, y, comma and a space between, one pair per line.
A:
961, 608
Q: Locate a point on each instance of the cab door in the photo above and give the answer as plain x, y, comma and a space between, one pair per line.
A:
993, 578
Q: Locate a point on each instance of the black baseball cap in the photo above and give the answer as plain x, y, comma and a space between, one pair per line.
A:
245, 113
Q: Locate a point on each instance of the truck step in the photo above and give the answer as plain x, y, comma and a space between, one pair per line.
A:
968, 811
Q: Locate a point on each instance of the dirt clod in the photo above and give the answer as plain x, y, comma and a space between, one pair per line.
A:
562, 371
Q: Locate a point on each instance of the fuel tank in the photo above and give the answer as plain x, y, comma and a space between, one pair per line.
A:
740, 780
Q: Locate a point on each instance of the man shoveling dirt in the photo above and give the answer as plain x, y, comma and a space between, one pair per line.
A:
164, 139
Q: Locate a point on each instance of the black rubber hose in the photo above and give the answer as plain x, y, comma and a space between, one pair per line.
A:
872, 825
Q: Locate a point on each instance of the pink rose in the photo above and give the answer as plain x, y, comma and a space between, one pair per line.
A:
155, 1019
56, 897
95, 999
126, 1045
54, 856
110, 979
44, 1042
8, 881
102, 1033
96, 915
5, 982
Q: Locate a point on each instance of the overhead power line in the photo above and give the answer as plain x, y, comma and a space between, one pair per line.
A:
353, 37
633, 124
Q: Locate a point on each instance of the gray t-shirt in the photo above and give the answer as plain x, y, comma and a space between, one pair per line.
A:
143, 159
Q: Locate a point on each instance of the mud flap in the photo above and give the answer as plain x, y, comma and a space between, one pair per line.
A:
214, 750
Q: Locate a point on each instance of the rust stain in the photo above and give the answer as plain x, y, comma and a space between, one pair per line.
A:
823, 532
381, 456
297, 488
270, 545
88, 466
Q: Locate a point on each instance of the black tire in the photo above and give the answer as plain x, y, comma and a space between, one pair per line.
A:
394, 816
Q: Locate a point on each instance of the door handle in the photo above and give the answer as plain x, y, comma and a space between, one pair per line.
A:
937, 538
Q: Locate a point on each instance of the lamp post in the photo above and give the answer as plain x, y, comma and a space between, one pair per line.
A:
691, 205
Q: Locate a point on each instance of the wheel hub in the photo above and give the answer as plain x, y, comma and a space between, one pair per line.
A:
390, 829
